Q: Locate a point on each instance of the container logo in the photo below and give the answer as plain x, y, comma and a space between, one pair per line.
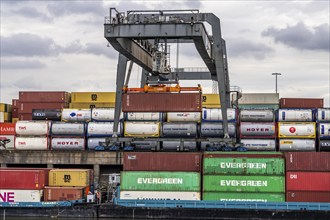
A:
293, 176
94, 97
67, 178
7, 197
204, 98
292, 130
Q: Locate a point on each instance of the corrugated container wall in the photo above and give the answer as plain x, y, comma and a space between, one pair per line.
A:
305, 196
244, 197
301, 103
63, 193
44, 96
93, 97
257, 98
307, 161
22, 179
308, 181
69, 177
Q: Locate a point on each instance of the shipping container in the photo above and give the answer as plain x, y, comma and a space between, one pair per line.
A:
295, 115
5, 107
69, 177
160, 195
175, 146
183, 116
7, 129
161, 102
5, 117
257, 98
179, 129
211, 100
307, 196
27, 107
144, 116
301, 103
243, 154
308, 181
14, 113
68, 143
14, 120
160, 181
258, 130
323, 115
104, 114
257, 115
46, 114
226, 183
68, 129
31, 143
243, 197
102, 129
19, 195
93, 142
296, 130
76, 115
161, 161
93, 97
243, 166
307, 161
324, 130
9, 141
215, 114
64, 193
92, 105
258, 106
259, 144
143, 145
25, 116
26, 128
15, 103
324, 145
215, 129
141, 129
22, 179
297, 145
44, 96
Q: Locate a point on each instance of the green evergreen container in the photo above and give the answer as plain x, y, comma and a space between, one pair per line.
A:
221, 183
244, 166
244, 197
160, 181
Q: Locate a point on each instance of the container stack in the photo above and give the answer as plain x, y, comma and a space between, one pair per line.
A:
296, 130
14, 110
85, 100
161, 176
5, 112
7, 136
32, 135
250, 177
258, 129
323, 128
307, 176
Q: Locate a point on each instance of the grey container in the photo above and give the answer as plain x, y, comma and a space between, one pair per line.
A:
175, 146
324, 145
257, 115
46, 114
68, 129
143, 145
180, 130
215, 130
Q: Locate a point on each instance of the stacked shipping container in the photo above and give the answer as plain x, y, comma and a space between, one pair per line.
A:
5, 112
323, 131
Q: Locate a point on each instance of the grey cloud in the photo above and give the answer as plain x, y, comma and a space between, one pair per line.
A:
300, 37
30, 12
60, 8
27, 83
22, 64
100, 49
240, 47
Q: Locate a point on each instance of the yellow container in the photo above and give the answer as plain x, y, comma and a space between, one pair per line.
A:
5, 117
69, 177
5, 107
14, 120
93, 97
92, 105
211, 101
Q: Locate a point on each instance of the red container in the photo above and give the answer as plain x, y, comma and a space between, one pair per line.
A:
242, 155
15, 103
307, 161
162, 102
7, 128
160, 161
301, 103
46, 170
14, 112
44, 96
63, 193
305, 196
25, 116
308, 181
26, 107
22, 179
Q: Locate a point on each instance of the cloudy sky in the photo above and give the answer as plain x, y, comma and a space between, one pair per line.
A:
60, 45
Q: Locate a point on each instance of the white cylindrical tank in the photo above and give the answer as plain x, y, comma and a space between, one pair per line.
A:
76, 115
20, 195
259, 144
183, 116
160, 195
297, 145
104, 129
259, 129
103, 114
68, 129
175, 145
215, 114
257, 115
144, 116
295, 115
68, 143
323, 115
31, 143
215, 130
141, 129
296, 130
324, 130
32, 128
179, 129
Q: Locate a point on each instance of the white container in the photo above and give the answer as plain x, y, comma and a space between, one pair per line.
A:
257, 129
324, 130
143, 145
215, 130
257, 115
175, 145
296, 130
9, 145
66, 143
28, 128
141, 129
104, 114
100, 129
183, 116
76, 115
31, 143
257, 98
295, 115
259, 144
159, 195
323, 115
93, 142
215, 114
18, 195
297, 145
68, 129
144, 116
179, 129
